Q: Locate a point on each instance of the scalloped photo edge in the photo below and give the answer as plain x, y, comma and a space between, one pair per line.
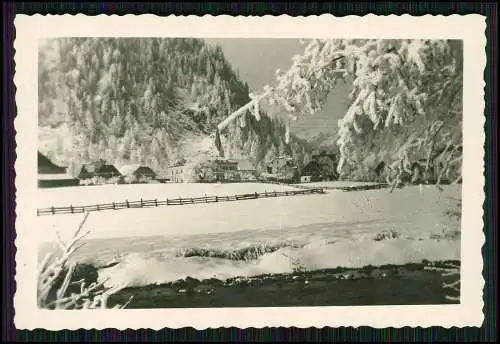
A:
29, 30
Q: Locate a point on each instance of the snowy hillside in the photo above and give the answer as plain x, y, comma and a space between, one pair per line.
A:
148, 101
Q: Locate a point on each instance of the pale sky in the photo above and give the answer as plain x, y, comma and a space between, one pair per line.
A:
257, 60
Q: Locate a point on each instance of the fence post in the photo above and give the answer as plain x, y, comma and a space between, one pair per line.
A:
216, 199
114, 206
71, 207
53, 211
37, 212
98, 208
156, 202
206, 198
166, 200
141, 202
256, 195
128, 204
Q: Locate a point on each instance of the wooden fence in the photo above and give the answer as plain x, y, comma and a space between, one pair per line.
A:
345, 188
172, 201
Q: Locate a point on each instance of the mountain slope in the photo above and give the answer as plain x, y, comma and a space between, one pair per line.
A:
152, 101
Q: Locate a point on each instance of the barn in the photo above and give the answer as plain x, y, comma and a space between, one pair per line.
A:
51, 175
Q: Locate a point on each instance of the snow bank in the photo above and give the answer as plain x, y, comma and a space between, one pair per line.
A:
139, 270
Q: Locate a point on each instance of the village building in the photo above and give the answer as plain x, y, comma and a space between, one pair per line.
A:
322, 167
280, 164
282, 168
51, 175
311, 172
137, 173
99, 172
210, 170
305, 179
218, 170
247, 170
225, 169
162, 176
175, 173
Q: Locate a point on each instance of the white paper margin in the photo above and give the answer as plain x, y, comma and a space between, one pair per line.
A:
469, 28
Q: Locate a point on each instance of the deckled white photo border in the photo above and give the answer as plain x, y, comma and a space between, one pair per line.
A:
469, 28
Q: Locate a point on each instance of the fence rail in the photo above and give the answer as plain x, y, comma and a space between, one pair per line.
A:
173, 201
346, 188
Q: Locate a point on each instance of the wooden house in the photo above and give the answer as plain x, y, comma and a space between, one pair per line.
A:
51, 175
99, 172
137, 173
322, 167
282, 168
311, 172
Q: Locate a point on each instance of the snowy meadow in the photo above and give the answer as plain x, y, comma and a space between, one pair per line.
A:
136, 248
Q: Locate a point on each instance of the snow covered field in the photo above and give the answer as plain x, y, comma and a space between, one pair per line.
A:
329, 230
87, 195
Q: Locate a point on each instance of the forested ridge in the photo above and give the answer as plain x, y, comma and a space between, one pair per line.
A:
148, 101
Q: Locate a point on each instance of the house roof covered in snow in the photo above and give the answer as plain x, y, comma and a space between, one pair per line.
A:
128, 170
245, 165
45, 166
99, 168
282, 157
94, 166
163, 174
56, 176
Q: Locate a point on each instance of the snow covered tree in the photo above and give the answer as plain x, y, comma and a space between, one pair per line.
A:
406, 103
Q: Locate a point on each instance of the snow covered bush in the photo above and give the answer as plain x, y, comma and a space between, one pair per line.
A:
406, 103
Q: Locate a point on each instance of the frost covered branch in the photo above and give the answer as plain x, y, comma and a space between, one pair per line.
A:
405, 107
449, 270
57, 290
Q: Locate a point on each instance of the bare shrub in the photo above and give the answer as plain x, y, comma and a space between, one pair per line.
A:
386, 235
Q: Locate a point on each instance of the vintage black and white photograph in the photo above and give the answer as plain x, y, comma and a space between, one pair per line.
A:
239, 172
